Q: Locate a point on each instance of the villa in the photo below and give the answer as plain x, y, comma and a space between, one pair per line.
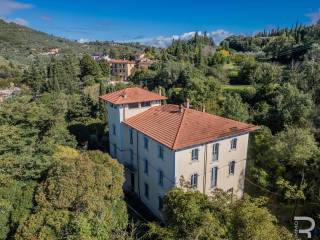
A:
158, 144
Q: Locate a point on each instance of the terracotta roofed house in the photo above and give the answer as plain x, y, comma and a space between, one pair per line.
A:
158, 144
121, 67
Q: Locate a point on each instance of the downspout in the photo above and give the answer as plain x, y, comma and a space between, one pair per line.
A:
205, 168
138, 164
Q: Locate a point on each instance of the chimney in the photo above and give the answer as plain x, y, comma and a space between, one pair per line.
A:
125, 95
203, 108
187, 103
160, 90
181, 108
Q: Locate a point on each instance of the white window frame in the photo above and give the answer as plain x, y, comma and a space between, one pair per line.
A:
232, 167
234, 143
194, 180
215, 151
195, 154
214, 177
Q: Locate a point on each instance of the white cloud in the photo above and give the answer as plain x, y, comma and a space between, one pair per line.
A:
20, 21
9, 6
314, 17
83, 40
165, 41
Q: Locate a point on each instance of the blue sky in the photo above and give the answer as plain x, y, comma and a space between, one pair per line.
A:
123, 20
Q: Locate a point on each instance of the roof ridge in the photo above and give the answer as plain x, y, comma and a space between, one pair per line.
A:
175, 139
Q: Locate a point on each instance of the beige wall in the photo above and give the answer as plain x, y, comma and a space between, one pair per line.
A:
175, 163
154, 165
186, 167
131, 112
122, 69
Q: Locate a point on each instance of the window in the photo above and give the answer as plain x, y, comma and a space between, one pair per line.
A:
146, 143
114, 129
146, 166
160, 180
215, 152
131, 136
133, 105
160, 203
145, 104
160, 152
146, 190
232, 165
214, 176
131, 155
195, 154
234, 144
194, 180
115, 150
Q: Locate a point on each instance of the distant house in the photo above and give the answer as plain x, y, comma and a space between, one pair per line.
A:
9, 93
121, 68
52, 51
99, 56
142, 61
158, 144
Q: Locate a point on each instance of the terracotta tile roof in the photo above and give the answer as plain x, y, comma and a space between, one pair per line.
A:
120, 61
131, 95
181, 129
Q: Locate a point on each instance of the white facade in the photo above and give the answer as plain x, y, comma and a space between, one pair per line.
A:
150, 176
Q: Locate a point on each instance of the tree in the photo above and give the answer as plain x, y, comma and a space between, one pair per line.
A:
88, 66
233, 107
79, 198
289, 107
253, 221
289, 156
104, 67
193, 215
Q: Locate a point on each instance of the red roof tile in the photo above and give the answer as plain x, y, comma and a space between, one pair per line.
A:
121, 61
181, 129
131, 95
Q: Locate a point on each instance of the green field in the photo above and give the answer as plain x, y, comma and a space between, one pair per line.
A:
237, 87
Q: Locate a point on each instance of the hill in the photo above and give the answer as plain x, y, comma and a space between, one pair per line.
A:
22, 44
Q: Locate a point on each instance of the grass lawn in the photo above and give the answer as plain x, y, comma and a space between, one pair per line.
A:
237, 87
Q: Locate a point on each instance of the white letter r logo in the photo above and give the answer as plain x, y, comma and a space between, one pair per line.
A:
306, 231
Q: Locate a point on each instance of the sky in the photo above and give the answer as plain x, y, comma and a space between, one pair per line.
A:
156, 22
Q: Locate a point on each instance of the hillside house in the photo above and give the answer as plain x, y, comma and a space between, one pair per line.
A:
158, 144
121, 68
